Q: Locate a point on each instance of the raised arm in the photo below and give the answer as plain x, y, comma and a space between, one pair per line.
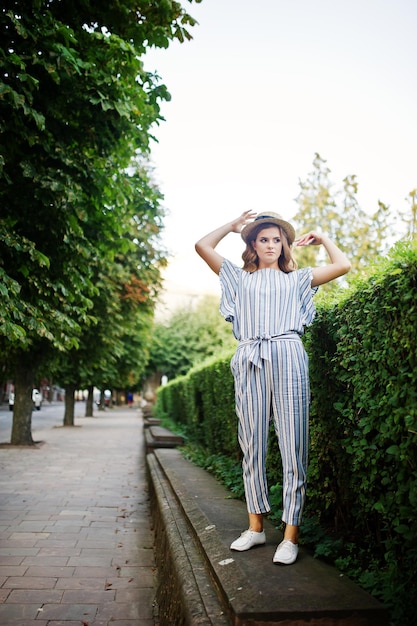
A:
339, 263
205, 247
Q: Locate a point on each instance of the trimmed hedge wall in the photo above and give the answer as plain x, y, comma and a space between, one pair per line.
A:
202, 404
363, 453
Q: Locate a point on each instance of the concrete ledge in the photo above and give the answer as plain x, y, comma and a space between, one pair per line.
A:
203, 582
151, 421
159, 437
185, 592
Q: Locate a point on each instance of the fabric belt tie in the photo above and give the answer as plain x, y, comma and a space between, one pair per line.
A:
262, 346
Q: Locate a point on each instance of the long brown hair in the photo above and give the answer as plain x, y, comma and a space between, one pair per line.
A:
286, 261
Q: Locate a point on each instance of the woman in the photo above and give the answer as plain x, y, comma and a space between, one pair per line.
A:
269, 302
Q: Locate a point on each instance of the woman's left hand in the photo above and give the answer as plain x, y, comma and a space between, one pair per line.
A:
309, 239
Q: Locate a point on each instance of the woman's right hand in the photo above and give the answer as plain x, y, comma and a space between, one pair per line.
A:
205, 247
241, 221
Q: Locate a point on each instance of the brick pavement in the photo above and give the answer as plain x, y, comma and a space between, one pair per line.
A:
76, 543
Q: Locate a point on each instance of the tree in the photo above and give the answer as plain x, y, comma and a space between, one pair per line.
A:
190, 336
360, 235
411, 218
113, 351
76, 107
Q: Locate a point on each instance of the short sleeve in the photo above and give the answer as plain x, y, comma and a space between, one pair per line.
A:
229, 279
306, 293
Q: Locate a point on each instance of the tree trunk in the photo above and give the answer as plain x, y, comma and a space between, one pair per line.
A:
23, 405
89, 405
69, 404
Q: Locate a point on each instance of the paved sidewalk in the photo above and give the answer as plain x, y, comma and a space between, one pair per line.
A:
76, 544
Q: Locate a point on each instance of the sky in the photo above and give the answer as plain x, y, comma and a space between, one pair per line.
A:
260, 89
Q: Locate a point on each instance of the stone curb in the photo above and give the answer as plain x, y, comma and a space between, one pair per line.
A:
185, 593
195, 520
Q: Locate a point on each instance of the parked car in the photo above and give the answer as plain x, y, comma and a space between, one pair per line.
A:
106, 398
37, 399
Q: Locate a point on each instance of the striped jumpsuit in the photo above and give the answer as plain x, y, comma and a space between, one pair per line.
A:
269, 310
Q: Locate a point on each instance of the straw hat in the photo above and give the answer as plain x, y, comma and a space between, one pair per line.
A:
268, 218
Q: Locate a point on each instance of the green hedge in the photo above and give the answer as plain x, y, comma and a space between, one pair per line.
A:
202, 405
363, 454
363, 467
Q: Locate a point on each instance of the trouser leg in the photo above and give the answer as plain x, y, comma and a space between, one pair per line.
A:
291, 398
253, 408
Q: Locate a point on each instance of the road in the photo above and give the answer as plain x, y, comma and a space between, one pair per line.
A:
50, 415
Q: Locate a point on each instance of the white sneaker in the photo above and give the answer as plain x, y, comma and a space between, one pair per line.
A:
247, 540
286, 553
